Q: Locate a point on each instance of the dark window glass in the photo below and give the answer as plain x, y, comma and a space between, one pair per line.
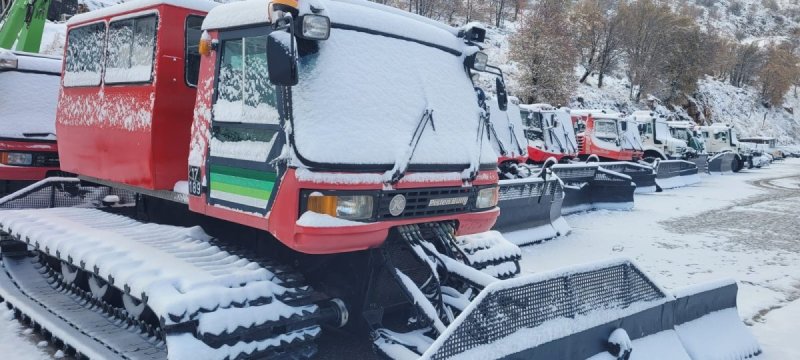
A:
192, 56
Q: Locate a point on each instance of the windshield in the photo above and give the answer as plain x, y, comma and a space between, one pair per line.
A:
681, 134
605, 129
28, 105
361, 95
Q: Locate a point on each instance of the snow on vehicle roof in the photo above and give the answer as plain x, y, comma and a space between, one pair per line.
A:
351, 13
33, 62
200, 5
598, 113
537, 107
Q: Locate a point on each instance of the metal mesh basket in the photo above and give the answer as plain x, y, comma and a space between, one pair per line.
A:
60, 192
505, 311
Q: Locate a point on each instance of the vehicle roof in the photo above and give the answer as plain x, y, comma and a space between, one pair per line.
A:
598, 113
351, 13
199, 5
34, 62
538, 107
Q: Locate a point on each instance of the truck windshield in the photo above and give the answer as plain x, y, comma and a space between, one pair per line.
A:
28, 104
360, 95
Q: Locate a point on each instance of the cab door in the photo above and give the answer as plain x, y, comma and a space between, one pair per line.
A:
246, 131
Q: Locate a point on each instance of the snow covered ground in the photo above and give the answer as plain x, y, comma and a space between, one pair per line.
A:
743, 226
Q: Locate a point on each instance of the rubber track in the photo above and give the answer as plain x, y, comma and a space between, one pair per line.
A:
24, 285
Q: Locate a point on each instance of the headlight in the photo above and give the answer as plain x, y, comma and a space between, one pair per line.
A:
12, 158
316, 27
487, 198
350, 207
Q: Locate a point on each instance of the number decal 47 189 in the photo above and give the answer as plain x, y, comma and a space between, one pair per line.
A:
195, 185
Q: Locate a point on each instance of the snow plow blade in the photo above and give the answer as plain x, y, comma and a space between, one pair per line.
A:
591, 187
642, 175
722, 163
532, 203
672, 174
701, 161
580, 313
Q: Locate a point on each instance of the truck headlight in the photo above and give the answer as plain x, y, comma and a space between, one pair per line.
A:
15, 158
487, 197
316, 27
349, 207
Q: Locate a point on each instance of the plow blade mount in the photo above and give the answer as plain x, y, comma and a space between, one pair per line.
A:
643, 176
590, 187
532, 203
672, 174
722, 163
597, 311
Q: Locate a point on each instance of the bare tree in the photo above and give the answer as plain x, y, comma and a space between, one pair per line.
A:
543, 49
778, 74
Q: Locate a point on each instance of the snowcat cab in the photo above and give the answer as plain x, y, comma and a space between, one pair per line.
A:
549, 132
309, 199
28, 151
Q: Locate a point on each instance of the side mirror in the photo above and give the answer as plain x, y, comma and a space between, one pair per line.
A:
502, 96
282, 59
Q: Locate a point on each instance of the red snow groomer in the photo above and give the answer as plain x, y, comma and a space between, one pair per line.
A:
550, 133
29, 86
297, 167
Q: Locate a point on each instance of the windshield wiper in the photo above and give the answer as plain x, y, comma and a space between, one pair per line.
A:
34, 134
400, 168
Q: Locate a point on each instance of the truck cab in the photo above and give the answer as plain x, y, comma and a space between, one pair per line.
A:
657, 138
29, 86
687, 131
720, 138
549, 133
607, 135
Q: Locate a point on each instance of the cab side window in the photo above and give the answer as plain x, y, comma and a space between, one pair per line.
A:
84, 63
191, 46
131, 50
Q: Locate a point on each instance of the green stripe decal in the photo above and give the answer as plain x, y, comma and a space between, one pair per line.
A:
262, 194
246, 173
240, 181
248, 183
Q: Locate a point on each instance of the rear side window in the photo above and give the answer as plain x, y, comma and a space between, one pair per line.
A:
192, 56
84, 62
131, 50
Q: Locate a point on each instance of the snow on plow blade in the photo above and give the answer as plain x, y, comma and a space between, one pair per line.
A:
532, 203
572, 314
591, 187
672, 174
722, 163
642, 175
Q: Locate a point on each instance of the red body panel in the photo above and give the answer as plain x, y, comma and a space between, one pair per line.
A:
26, 173
282, 219
587, 146
133, 134
539, 156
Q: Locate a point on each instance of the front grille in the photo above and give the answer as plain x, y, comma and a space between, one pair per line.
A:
45, 159
581, 141
418, 200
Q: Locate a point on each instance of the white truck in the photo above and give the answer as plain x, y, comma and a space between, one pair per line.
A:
721, 138
657, 138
